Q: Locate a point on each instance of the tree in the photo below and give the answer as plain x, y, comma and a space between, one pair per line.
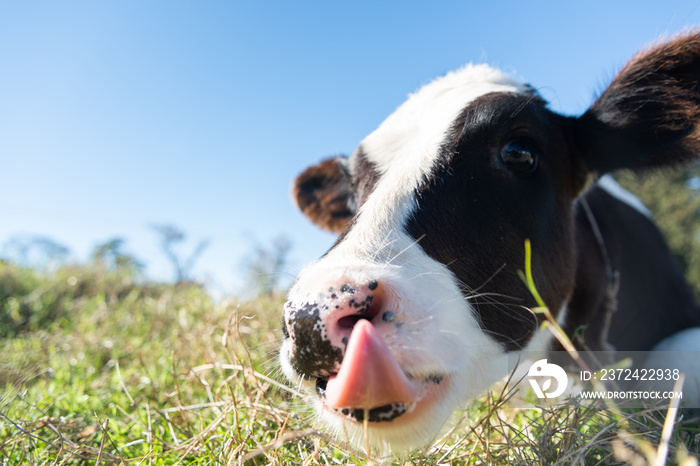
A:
111, 255
170, 235
38, 252
266, 265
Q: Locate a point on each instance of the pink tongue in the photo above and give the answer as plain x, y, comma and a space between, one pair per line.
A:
369, 375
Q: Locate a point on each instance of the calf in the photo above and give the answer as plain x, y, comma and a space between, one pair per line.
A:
419, 299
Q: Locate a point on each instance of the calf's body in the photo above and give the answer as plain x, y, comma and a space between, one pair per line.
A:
419, 300
652, 303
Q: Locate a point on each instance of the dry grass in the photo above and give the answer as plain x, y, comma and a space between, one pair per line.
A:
153, 375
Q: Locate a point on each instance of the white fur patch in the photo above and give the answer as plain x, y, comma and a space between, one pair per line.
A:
611, 186
680, 351
405, 148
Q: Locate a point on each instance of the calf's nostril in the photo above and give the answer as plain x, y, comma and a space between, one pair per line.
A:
361, 306
348, 322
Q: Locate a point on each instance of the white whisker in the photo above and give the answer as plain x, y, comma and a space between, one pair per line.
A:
406, 249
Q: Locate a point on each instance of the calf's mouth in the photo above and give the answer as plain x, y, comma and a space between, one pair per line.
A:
370, 381
384, 413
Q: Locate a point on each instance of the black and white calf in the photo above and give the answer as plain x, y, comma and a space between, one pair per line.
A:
409, 312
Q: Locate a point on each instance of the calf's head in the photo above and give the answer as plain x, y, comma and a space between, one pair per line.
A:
419, 299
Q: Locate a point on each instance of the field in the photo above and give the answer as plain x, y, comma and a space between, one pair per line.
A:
97, 368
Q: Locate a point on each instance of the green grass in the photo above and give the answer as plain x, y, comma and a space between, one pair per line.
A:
95, 368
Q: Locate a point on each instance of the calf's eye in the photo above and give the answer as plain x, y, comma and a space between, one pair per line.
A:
520, 156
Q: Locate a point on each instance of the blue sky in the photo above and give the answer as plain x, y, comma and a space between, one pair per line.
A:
117, 115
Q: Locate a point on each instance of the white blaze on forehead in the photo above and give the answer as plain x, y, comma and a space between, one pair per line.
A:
409, 140
405, 147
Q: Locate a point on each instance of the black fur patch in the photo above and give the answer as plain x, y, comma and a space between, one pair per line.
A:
474, 214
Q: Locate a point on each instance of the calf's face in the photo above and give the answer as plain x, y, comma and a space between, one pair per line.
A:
415, 307
434, 207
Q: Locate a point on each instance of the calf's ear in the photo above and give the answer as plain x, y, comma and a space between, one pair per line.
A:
649, 116
323, 194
